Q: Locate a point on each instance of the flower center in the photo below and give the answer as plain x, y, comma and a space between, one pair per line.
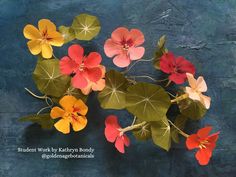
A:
203, 144
81, 67
126, 44
45, 36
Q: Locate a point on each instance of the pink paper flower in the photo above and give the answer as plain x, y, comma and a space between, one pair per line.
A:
124, 45
96, 86
113, 134
85, 68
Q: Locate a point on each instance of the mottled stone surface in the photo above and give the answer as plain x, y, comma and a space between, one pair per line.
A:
204, 31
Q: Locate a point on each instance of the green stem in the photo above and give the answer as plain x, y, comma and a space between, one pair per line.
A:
141, 60
34, 95
132, 127
179, 130
149, 77
179, 98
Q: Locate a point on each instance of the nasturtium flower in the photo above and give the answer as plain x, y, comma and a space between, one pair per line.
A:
197, 87
125, 46
43, 38
204, 142
96, 86
73, 112
113, 133
85, 69
176, 67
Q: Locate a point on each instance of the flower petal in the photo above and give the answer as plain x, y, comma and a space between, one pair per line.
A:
192, 94
192, 142
167, 62
205, 100
204, 132
67, 65
76, 53
99, 85
112, 128
136, 53
46, 25
120, 34
119, 144
191, 80
201, 84
178, 78
30, 32
79, 124
63, 126
94, 74
121, 60
87, 89
214, 137
56, 39
126, 140
184, 66
67, 102
93, 60
203, 156
79, 81
34, 46
81, 107
137, 36
46, 50
56, 112
111, 48
112, 121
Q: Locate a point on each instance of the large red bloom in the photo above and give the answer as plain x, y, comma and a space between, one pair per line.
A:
113, 134
125, 46
84, 68
176, 67
204, 142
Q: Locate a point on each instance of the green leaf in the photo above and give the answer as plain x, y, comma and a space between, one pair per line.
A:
113, 95
147, 101
180, 122
192, 109
86, 27
161, 134
143, 133
68, 33
44, 120
48, 78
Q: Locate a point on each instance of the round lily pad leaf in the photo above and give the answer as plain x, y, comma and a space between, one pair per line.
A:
67, 33
48, 78
113, 95
161, 134
192, 109
147, 101
86, 27
143, 133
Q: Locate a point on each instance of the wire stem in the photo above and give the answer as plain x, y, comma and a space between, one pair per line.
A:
34, 95
179, 98
177, 128
132, 127
128, 69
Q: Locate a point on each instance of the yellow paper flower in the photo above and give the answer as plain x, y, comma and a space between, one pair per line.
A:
73, 113
43, 38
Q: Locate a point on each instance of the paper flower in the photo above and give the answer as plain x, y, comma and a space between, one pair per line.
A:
176, 67
85, 69
96, 86
113, 134
196, 88
42, 39
204, 142
73, 113
124, 45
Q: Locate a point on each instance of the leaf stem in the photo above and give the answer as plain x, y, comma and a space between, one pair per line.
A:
149, 77
34, 95
179, 130
54, 56
179, 98
132, 127
128, 69
134, 120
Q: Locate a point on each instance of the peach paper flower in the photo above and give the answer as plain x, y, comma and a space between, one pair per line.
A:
124, 45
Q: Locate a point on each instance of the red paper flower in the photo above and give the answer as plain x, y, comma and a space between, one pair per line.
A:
176, 67
124, 45
113, 134
204, 142
85, 68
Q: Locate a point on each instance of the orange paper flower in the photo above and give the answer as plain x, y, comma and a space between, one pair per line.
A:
42, 39
73, 113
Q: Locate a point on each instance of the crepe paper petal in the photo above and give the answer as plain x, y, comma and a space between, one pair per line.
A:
201, 84
119, 144
191, 80
185, 65
192, 94
204, 132
137, 37
94, 74
93, 60
56, 38
76, 53
178, 78
30, 32
119, 34
167, 62
192, 142
121, 60
67, 102
79, 81
126, 140
45, 25
46, 50
63, 125
34, 46
112, 121
111, 130
68, 66
99, 85
111, 48
79, 124
56, 112
86, 27
136, 53
67, 33
80, 107
202, 156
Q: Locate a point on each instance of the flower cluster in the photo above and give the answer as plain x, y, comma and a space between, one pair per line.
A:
67, 82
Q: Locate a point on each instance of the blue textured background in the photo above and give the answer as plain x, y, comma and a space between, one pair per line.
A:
204, 31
